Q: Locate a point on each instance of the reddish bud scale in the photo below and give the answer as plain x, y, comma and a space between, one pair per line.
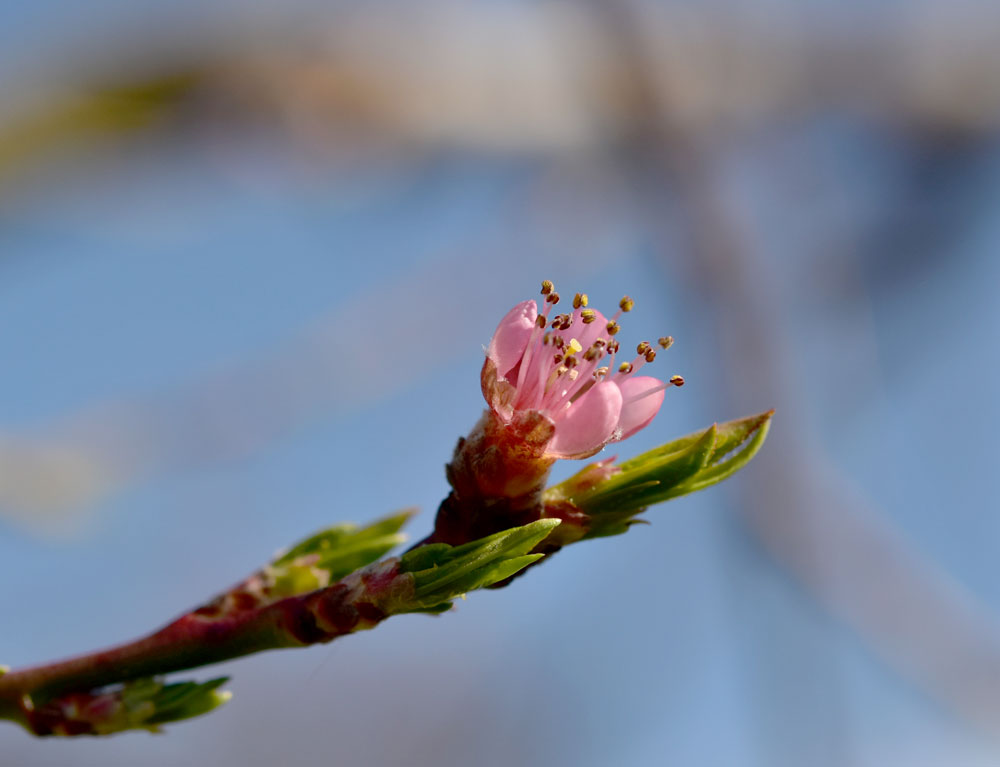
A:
356, 603
74, 714
575, 525
497, 474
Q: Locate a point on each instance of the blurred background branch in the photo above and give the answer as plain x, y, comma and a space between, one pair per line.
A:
815, 182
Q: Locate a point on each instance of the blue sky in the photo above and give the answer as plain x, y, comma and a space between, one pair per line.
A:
247, 352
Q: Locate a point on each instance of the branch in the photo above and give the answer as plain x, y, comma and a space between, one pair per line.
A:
549, 397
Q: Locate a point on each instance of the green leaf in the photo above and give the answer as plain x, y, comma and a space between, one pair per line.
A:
443, 572
425, 557
432, 609
678, 447
184, 700
646, 478
345, 537
145, 704
732, 434
723, 469
612, 495
333, 553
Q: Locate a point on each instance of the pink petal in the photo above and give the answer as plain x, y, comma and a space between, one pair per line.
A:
588, 424
511, 337
636, 413
498, 393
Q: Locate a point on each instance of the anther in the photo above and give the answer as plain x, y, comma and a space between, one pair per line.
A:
650, 355
625, 367
547, 287
677, 380
592, 354
540, 320
580, 299
600, 372
613, 347
556, 359
666, 342
572, 362
588, 315
552, 298
626, 304
547, 339
643, 347
612, 328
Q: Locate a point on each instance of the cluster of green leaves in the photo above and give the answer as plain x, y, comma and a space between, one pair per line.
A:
329, 555
173, 702
146, 704
442, 572
686, 465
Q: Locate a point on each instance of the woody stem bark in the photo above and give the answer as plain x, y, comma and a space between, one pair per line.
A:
359, 601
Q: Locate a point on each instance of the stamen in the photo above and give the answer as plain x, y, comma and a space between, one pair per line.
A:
674, 381
581, 390
612, 350
535, 342
642, 359
550, 385
625, 305
580, 381
552, 379
562, 322
553, 376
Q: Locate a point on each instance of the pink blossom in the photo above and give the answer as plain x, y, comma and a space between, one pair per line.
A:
564, 368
